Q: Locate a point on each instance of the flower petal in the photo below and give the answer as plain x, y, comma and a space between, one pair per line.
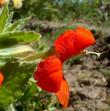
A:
49, 74
71, 42
84, 38
63, 93
64, 45
1, 78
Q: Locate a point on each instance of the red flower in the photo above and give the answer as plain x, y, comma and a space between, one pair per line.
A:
49, 74
1, 78
72, 42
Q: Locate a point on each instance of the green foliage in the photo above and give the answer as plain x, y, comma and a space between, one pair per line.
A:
10, 32
16, 77
3, 18
17, 63
16, 26
16, 72
13, 38
64, 10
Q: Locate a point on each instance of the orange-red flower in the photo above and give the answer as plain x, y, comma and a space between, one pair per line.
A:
63, 94
72, 42
49, 74
1, 78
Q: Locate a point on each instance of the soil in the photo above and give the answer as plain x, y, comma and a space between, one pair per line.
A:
89, 80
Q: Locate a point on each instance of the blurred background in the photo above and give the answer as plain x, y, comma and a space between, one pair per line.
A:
52, 17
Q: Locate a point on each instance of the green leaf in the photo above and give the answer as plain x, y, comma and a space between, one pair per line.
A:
3, 18
3, 61
9, 39
9, 19
16, 78
17, 51
35, 56
17, 26
29, 92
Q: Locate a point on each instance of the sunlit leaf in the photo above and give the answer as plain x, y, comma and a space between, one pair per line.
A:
9, 39
3, 18
17, 51
17, 26
9, 19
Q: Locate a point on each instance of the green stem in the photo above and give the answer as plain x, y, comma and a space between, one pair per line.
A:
39, 56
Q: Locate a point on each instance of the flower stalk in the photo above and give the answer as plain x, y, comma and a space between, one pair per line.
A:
39, 55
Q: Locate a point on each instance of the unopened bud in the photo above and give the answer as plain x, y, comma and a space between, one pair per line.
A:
17, 4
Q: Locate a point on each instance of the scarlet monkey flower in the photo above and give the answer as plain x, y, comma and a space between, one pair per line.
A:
1, 78
49, 74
